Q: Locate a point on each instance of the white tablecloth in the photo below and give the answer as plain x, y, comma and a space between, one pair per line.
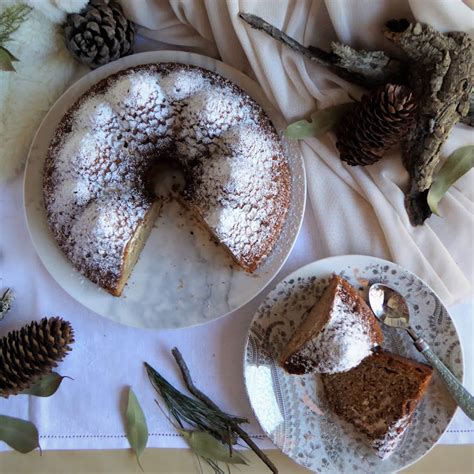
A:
86, 413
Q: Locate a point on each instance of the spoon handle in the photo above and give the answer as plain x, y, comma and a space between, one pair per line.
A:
462, 397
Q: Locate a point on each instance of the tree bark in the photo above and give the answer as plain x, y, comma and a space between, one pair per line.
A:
441, 75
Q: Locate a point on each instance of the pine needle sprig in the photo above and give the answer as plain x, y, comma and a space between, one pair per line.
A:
217, 469
191, 411
215, 431
11, 19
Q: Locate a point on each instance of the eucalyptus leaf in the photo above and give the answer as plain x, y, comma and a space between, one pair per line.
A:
46, 387
205, 445
9, 54
6, 59
19, 434
136, 426
457, 165
321, 122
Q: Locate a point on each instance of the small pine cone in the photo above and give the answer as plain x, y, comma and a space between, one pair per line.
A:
382, 118
99, 34
32, 352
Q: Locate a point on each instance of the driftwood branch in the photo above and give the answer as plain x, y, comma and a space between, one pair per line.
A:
366, 68
205, 399
441, 75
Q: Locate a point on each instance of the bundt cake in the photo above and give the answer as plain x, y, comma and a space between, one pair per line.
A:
379, 397
338, 333
100, 164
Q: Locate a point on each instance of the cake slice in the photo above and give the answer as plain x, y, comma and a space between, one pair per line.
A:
379, 397
338, 333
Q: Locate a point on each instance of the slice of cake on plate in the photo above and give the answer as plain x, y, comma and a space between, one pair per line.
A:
379, 397
339, 332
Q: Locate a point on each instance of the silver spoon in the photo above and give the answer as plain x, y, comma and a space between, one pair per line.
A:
392, 309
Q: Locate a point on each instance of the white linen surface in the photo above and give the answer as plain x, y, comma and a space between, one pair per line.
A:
361, 209
86, 413
350, 211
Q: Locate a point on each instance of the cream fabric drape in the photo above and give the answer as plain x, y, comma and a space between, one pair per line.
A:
358, 210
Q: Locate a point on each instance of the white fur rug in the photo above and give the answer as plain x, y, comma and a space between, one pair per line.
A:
44, 71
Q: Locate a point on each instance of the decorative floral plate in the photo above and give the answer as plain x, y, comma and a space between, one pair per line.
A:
292, 409
181, 278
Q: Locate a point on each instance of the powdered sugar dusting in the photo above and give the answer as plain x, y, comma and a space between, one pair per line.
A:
241, 203
95, 115
179, 85
99, 161
135, 91
341, 344
205, 117
392, 438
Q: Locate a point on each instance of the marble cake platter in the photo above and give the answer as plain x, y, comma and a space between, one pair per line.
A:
182, 277
292, 410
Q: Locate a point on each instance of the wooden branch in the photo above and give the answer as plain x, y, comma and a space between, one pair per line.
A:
205, 399
366, 68
441, 75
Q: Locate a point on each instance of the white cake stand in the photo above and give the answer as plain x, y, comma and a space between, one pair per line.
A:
182, 278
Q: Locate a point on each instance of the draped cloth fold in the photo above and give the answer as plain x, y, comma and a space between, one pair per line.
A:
358, 210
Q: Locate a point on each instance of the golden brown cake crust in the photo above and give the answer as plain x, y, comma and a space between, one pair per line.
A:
207, 131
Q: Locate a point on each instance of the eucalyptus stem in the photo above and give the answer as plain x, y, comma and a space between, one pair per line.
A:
206, 400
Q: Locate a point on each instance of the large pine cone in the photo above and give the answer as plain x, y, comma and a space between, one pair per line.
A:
382, 118
32, 352
99, 34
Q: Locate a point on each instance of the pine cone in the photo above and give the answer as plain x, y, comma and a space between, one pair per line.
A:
99, 34
382, 118
32, 352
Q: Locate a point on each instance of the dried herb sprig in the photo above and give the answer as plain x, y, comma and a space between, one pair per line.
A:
203, 414
194, 412
6, 301
10, 20
205, 399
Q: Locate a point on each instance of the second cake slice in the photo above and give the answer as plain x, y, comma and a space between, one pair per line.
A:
379, 397
339, 332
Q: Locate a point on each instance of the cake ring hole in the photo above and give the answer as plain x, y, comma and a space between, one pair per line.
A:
167, 180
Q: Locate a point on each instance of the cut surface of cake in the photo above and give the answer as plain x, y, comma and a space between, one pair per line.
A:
379, 397
338, 333
98, 199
